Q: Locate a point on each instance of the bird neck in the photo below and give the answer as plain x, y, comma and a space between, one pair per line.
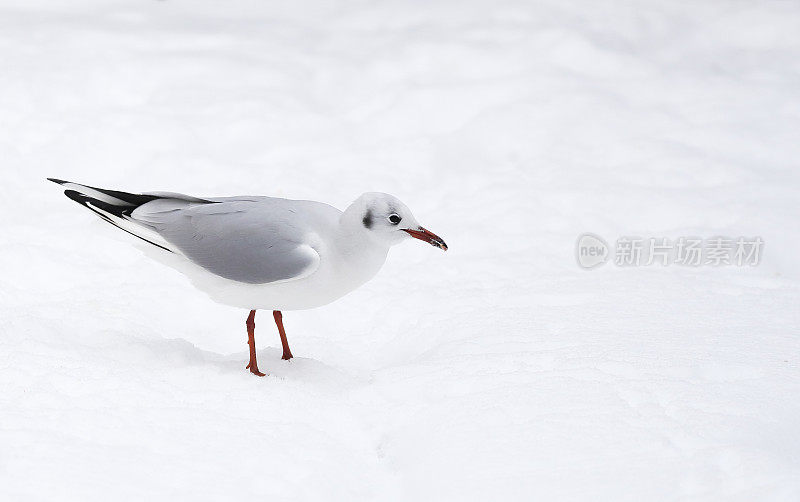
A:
362, 253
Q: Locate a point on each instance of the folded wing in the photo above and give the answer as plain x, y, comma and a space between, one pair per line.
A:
251, 240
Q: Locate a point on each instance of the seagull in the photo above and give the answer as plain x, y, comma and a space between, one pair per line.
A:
257, 252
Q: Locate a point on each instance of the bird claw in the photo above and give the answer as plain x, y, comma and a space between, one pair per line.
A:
254, 369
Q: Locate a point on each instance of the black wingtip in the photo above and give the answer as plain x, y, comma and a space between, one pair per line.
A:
55, 180
98, 206
77, 197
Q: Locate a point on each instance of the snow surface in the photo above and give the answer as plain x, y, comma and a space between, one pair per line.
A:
499, 370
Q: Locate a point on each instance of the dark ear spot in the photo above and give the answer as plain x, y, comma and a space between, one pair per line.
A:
367, 221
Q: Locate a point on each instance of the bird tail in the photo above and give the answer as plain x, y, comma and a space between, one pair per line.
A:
115, 207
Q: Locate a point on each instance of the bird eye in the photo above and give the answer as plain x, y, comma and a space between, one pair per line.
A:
394, 219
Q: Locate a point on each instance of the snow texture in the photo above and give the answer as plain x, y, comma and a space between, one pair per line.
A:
499, 370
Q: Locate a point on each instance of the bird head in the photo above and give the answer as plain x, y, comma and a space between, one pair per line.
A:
389, 221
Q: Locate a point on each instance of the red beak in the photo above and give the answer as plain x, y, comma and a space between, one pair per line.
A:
427, 236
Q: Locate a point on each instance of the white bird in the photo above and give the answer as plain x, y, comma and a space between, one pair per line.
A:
262, 252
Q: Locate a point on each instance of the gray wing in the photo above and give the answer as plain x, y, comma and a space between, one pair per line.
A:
253, 240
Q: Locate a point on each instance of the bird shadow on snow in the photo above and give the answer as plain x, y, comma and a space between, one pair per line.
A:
178, 351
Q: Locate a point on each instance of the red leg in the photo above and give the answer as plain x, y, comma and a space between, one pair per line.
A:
287, 354
251, 341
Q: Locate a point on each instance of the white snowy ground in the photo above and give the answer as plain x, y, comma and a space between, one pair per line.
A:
499, 370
